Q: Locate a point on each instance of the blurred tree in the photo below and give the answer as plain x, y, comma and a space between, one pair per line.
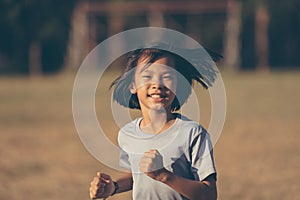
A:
232, 36
77, 47
38, 33
262, 19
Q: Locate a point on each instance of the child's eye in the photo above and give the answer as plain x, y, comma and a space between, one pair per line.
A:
168, 77
146, 77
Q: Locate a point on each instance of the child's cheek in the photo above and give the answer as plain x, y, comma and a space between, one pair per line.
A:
141, 83
172, 86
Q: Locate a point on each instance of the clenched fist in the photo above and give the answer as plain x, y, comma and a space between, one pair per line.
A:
101, 186
152, 164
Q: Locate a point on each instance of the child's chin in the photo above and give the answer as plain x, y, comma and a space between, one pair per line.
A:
158, 107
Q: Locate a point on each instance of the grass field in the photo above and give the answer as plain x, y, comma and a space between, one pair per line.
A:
42, 157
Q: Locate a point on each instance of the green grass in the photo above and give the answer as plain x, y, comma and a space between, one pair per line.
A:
257, 155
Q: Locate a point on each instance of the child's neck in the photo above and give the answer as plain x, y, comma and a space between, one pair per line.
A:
155, 122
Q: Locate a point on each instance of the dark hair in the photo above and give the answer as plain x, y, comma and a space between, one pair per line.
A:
124, 97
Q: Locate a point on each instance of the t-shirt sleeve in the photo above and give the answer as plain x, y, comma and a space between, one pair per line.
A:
123, 156
202, 161
124, 160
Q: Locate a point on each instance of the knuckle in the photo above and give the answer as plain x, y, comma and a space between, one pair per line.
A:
92, 194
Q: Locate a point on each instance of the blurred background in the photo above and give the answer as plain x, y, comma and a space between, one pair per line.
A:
42, 44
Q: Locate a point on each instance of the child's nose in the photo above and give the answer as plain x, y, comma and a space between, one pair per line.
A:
156, 86
157, 83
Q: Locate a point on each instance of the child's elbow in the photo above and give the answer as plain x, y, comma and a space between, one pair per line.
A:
209, 194
213, 196
205, 197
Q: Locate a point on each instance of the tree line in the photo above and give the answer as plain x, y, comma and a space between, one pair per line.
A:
34, 34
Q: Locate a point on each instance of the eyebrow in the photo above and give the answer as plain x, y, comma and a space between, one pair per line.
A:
144, 68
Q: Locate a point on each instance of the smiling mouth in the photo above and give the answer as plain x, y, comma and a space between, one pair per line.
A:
158, 97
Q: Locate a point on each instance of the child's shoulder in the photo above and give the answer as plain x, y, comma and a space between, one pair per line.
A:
130, 126
187, 123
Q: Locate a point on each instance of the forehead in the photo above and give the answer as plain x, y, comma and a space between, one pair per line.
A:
166, 63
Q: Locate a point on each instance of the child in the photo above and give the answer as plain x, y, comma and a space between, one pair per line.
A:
167, 155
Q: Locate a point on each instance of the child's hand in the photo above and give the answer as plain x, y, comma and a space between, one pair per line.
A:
101, 186
152, 164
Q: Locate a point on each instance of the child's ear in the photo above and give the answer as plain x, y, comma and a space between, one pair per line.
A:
133, 88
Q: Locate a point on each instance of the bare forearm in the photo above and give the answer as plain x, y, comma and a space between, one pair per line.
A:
125, 183
191, 189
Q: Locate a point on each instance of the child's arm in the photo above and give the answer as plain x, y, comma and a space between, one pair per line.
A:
191, 189
102, 185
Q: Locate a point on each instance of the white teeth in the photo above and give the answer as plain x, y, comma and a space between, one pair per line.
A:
155, 96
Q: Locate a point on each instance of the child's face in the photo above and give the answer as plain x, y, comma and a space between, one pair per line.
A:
155, 84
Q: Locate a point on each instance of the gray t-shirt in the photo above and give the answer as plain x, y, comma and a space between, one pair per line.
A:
186, 150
